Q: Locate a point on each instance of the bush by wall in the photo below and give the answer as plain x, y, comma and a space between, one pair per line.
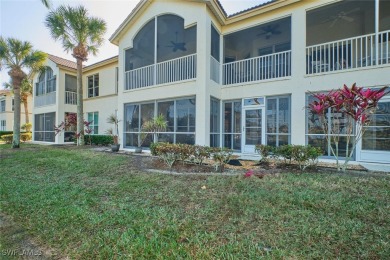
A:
24, 137
6, 133
171, 153
103, 140
304, 155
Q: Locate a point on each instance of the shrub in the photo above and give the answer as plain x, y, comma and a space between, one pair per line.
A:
103, 140
185, 151
169, 153
153, 147
24, 137
26, 127
6, 133
221, 156
265, 152
200, 153
305, 156
313, 153
284, 152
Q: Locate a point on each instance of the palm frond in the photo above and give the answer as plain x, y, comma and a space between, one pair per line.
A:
74, 28
46, 3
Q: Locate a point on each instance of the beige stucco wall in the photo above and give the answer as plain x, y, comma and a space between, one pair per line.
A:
107, 101
8, 114
297, 85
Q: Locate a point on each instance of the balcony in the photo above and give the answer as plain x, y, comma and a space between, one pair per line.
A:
272, 66
346, 54
45, 99
175, 70
70, 98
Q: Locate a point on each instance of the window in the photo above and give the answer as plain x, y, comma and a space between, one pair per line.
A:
173, 41
70, 83
2, 106
340, 20
377, 134
93, 86
214, 43
69, 134
316, 136
232, 125
116, 79
3, 125
44, 127
258, 40
278, 121
215, 128
13, 104
179, 114
46, 83
94, 118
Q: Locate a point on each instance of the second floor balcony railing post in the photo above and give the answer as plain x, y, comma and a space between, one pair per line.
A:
264, 67
351, 53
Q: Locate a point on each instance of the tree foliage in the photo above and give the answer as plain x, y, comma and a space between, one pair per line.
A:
19, 58
357, 105
82, 35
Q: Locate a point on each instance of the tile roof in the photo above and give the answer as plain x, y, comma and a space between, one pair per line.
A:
246, 10
63, 62
4, 91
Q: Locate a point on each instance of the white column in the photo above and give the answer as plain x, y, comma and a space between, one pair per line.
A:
203, 77
298, 70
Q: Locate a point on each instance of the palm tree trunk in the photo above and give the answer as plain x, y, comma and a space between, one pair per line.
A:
25, 103
17, 77
80, 110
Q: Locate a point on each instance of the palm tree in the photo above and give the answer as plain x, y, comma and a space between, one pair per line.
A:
18, 56
82, 35
46, 3
26, 89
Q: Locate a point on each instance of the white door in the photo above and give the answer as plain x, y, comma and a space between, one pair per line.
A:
253, 129
375, 144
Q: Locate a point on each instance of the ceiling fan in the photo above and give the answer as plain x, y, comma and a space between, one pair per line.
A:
341, 16
175, 45
269, 31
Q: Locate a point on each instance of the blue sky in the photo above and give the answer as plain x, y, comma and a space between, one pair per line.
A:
24, 20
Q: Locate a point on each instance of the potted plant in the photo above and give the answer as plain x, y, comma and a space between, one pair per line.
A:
113, 119
152, 126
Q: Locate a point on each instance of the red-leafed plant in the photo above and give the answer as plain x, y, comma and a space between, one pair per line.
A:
70, 123
356, 105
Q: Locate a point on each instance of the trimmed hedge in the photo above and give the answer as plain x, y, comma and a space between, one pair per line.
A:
6, 133
103, 140
24, 137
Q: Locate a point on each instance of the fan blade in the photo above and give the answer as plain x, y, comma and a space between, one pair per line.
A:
260, 34
353, 10
348, 19
333, 23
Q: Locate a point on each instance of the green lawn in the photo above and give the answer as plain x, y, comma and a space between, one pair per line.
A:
89, 205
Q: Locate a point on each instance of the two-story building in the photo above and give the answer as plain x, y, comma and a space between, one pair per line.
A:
55, 97
244, 79
7, 110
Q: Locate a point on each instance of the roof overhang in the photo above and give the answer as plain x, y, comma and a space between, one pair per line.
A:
101, 63
215, 7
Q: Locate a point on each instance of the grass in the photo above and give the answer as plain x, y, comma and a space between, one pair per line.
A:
89, 205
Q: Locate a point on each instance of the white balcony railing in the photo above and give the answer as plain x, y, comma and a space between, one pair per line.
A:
45, 100
351, 53
70, 98
265, 67
215, 69
139, 78
179, 69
